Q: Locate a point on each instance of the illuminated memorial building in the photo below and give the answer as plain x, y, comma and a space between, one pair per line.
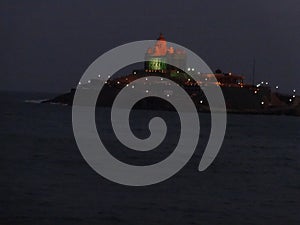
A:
164, 61
238, 95
156, 58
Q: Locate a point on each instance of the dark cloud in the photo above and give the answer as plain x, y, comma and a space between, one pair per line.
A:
47, 45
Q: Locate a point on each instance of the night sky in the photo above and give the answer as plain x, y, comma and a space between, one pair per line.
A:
47, 45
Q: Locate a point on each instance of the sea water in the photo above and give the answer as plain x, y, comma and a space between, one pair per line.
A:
255, 178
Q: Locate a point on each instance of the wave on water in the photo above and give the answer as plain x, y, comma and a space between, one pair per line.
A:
36, 101
39, 101
58, 103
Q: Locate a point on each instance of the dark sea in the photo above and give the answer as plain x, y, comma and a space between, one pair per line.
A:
44, 179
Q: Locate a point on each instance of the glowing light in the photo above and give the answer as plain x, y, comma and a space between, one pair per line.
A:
79, 83
290, 100
201, 101
294, 96
132, 86
262, 103
168, 95
127, 85
294, 90
206, 79
147, 91
161, 78
146, 78
255, 92
118, 82
267, 83
157, 63
177, 71
189, 79
199, 73
277, 87
99, 75
134, 72
89, 81
230, 74
189, 69
193, 69
257, 85
108, 76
